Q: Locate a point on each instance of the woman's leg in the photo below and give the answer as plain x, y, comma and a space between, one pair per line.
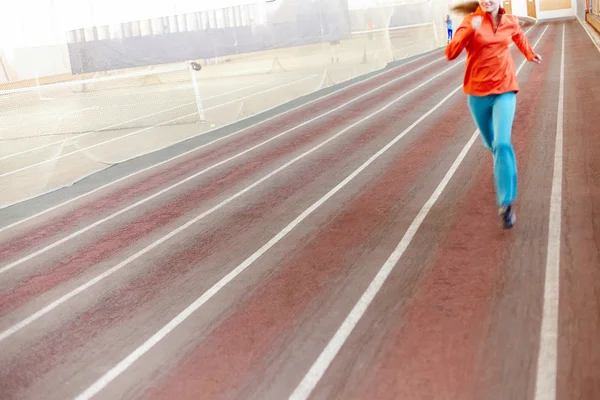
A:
494, 115
505, 165
481, 109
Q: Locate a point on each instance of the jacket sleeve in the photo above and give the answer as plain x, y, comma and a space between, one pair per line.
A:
461, 39
521, 42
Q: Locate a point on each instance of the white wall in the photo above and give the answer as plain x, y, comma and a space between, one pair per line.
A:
44, 22
27, 61
581, 5
519, 7
33, 33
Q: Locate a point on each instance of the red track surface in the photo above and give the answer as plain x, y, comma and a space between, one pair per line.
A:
458, 317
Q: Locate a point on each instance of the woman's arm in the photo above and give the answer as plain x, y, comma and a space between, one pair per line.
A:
521, 42
461, 39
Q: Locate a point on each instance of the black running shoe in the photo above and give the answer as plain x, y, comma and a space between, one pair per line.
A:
508, 216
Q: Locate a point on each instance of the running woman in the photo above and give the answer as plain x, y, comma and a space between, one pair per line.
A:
449, 26
490, 83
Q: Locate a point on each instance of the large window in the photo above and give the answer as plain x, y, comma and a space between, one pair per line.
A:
222, 18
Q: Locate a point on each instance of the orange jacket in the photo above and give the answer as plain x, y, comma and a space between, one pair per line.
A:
490, 66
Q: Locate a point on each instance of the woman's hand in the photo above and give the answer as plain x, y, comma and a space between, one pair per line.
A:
537, 59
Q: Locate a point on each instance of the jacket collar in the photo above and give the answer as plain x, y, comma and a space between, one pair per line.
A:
479, 11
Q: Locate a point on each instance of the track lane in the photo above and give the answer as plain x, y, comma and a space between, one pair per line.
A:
513, 319
579, 320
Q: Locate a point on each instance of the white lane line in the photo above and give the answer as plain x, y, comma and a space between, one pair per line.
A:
23, 123
20, 325
146, 346
545, 386
139, 131
397, 28
326, 357
95, 131
68, 83
100, 188
202, 172
125, 122
588, 33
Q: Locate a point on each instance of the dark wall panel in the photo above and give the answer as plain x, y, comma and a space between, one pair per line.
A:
289, 23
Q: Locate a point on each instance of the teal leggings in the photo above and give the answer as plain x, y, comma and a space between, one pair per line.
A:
494, 115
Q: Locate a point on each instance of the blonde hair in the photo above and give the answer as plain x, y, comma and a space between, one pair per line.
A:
465, 8
469, 7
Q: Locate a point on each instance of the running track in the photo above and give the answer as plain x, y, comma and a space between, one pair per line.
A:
347, 249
